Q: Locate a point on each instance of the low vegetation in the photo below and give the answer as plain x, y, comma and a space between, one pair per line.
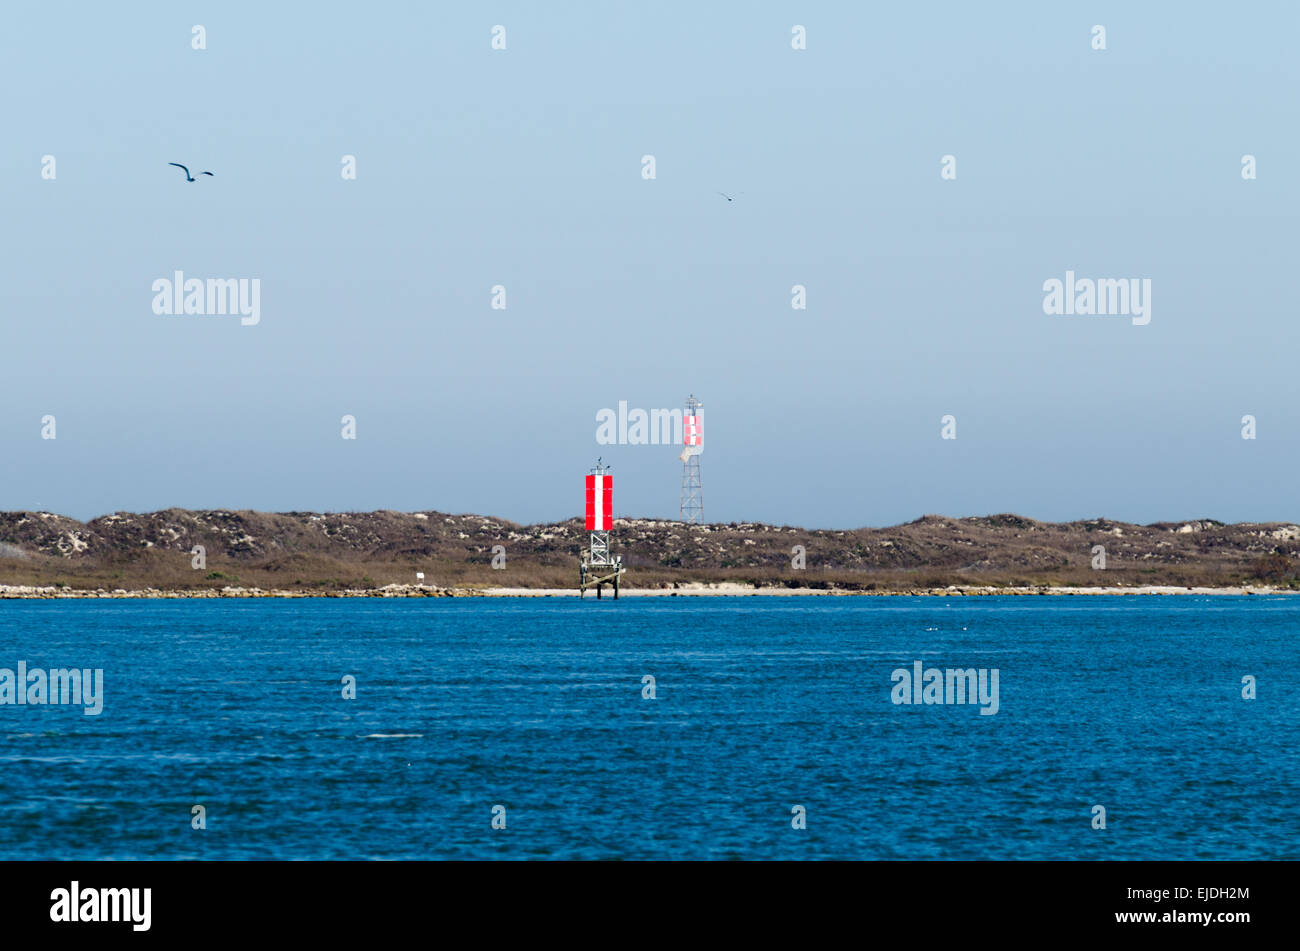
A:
324, 552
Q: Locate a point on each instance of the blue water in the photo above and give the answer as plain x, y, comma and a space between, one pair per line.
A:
762, 703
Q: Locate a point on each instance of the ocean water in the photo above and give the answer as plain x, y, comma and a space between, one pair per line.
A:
761, 705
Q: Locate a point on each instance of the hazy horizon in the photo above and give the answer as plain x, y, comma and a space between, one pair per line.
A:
522, 167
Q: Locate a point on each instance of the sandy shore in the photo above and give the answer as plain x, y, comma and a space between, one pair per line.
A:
721, 589
731, 589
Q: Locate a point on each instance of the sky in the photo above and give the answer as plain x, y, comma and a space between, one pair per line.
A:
523, 168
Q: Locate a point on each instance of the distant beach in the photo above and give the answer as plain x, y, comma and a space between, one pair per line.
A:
687, 590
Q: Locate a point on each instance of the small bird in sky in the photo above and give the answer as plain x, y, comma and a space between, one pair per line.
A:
188, 176
728, 197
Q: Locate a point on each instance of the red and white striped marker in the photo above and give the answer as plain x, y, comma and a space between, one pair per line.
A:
600, 503
693, 431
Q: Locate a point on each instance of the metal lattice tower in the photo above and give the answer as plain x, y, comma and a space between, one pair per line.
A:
692, 487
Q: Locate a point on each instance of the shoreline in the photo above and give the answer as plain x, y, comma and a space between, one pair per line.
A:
690, 590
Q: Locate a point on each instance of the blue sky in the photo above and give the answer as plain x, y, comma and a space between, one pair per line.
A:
522, 167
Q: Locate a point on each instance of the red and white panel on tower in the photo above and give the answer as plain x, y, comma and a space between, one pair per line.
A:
692, 431
600, 503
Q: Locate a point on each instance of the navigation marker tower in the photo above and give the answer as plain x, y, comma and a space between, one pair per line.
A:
693, 439
598, 566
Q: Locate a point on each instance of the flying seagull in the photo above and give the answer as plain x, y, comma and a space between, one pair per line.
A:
188, 176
